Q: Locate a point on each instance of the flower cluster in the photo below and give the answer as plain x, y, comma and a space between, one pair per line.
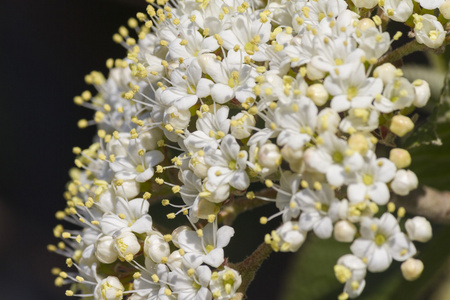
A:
222, 102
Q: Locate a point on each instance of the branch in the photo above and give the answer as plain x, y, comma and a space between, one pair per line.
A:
248, 267
427, 202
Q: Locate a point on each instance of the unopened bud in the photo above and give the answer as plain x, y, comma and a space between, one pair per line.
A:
412, 269
358, 143
423, 93
401, 125
317, 93
344, 231
400, 157
404, 182
419, 229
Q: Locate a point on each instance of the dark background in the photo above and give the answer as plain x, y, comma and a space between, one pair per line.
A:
46, 48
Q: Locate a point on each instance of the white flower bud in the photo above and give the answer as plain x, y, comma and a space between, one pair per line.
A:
411, 269
428, 30
400, 157
240, 125
317, 93
127, 244
365, 3
179, 119
445, 9
294, 157
401, 125
344, 231
423, 93
328, 120
205, 59
269, 156
156, 247
109, 288
358, 142
313, 73
149, 139
366, 23
404, 182
105, 251
386, 72
419, 229
129, 189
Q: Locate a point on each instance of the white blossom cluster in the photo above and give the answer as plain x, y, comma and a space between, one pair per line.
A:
217, 101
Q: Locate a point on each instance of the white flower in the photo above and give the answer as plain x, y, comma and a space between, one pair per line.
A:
316, 207
398, 10
419, 229
187, 87
371, 180
354, 91
430, 4
428, 30
206, 244
381, 241
287, 237
232, 78
128, 214
191, 284
295, 122
228, 163
351, 270
333, 159
224, 284
109, 288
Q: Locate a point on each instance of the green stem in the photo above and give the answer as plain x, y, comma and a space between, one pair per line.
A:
409, 48
248, 267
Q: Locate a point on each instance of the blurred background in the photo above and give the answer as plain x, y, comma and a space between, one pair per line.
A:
46, 48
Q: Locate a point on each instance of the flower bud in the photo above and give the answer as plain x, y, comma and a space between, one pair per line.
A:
386, 72
156, 247
344, 231
401, 125
313, 73
445, 9
293, 157
365, 3
105, 251
205, 59
423, 93
411, 269
365, 23
400, 157
404, 182
328, 120
269, 156
419, 229
358, 142
109, 288
129, 189
317, 93
127, 244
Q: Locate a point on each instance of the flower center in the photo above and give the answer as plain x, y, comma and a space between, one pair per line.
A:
139, 168
337, 157
232, 165
352, 92
191, 90
367, 179
209, 248
380, 239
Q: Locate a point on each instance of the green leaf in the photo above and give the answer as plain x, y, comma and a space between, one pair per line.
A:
311, 275
431, 163
425, 133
